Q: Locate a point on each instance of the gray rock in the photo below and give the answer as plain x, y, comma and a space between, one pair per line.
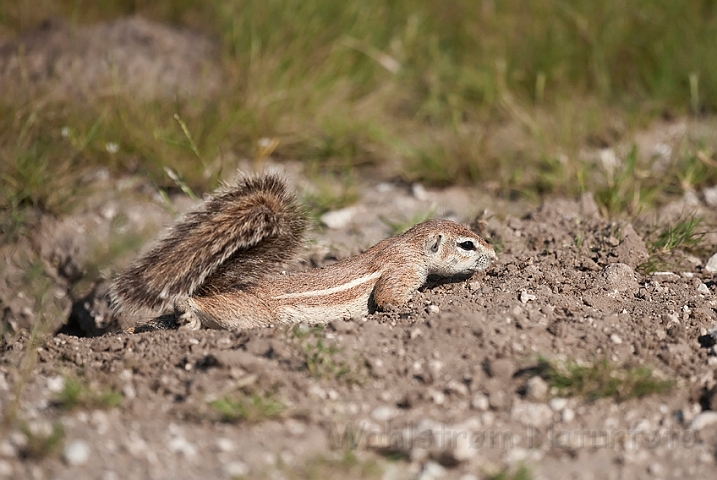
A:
536, 389
502, 369
619, 276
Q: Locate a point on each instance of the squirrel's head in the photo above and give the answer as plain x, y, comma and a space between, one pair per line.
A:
453, 249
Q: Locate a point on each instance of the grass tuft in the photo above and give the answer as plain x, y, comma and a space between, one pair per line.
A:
42, 444
340, 464
601, 379
685, 235
320, 357
520, 473
247, 408
78, 395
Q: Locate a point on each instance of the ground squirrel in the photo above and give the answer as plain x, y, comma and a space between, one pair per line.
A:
218, 266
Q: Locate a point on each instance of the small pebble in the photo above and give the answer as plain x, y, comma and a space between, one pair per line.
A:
558, 404
655, 469
236, 468
710, 194
703, 289
338, 219
536, 389
480, 402
182, 446
568, 415
430, 471
433, 309
703, 420
711, 265
225, 445
419, 191
6, 469
77, 452
525, 297
56, 384
383, 413
615, 338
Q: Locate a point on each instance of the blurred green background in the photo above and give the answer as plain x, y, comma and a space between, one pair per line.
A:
503, 95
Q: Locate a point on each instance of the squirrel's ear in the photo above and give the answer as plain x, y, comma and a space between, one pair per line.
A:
434, 242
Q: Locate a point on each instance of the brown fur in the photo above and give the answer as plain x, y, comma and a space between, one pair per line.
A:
236, 238
218, 265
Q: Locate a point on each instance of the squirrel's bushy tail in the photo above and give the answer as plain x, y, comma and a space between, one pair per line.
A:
239, 235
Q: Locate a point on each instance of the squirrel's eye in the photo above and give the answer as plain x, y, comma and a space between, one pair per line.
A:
467, 245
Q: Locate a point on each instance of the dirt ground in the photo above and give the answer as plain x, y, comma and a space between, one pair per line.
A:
453, 385
448, 386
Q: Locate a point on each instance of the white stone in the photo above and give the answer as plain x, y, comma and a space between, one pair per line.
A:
77, 452
533, 414
235, 468
419, 191
430, 471
655, 469
480, 402
703, 289
454, 386
711, 265
710, 196
6, 469
338, 219
522, 455
525, 297
615, 338
182, 446
56, 384
558, 403
464, 449
568, 415
383, 413
225, 445
128, 391
703, 420
384, 187
7, 449
110, 475
433, 309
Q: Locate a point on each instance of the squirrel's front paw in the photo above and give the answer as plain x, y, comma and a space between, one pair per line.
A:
185, 316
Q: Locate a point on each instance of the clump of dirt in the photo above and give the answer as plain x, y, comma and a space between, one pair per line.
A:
453, 383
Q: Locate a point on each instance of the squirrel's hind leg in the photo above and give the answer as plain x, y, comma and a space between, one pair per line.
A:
233, 311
